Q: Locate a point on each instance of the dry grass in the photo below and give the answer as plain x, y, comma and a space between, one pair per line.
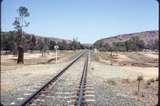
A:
9, 62
140, 59
125, 68
147, 94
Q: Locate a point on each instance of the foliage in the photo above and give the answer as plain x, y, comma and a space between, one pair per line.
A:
139, 78
8, 41
102, 46
119, 46
135, 44
132, 44
32, 42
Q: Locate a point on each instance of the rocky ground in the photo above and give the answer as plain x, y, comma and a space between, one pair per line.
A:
9, 62
138, 59
114, 84
65, 88
19, 80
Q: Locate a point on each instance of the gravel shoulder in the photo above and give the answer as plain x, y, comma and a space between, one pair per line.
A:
62, 92
22, 80
111, 90
19, 80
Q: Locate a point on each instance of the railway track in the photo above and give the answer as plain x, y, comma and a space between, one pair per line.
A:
54, 93
85, 95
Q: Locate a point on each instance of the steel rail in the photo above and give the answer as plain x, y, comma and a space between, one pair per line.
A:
82, 83
28, 99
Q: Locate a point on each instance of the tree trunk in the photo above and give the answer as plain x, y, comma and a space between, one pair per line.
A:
6, 52
138, 89
20, 55
42, 52
15, 53
138, 86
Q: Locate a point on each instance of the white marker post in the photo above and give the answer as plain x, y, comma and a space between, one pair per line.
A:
56, 47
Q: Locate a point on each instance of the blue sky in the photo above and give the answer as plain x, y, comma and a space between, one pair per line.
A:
89, 20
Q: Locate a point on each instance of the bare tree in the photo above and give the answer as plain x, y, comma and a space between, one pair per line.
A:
19, 24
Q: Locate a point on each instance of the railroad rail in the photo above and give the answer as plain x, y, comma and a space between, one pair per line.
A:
82, 83
29, 99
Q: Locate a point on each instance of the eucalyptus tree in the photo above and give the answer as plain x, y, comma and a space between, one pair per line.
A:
19, 24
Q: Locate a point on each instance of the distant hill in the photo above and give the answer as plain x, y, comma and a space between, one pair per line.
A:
147, 36
42, 37
38, 37
36, 42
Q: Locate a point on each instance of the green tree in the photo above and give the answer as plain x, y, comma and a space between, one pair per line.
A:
98, 44
19, 23
8, 41
75, 44
135, 44
119, 46
52, 44
44, 46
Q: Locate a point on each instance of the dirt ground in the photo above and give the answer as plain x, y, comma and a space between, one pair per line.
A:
140, 59
17, 79
120, 72
8, 62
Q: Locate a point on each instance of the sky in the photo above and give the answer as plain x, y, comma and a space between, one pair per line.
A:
87, 20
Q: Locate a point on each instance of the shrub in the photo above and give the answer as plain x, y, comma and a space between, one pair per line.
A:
148, 82
111, 82
139, 78
152, 80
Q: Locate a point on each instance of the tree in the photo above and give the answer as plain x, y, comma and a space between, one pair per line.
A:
51, 45
8, 41
135, 44
98, 44
62, 45
75, 44
127, 45
119, 46
156, 44
44, 46
33, 43
19, 23
153, 44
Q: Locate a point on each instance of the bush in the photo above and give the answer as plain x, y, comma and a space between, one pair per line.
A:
111, 82
157, 79
139, 78
152, 80
148, 82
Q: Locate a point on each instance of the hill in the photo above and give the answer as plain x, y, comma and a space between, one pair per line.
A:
148, 37
36, 42
42, 37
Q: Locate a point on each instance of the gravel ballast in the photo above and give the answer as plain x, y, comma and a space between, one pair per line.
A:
15, 83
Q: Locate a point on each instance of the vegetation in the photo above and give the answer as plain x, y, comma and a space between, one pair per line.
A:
111, 82
139, 79
18, 42
18, 24
32, 42
152, 80
132, 44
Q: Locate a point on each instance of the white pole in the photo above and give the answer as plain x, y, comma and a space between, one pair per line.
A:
56, 56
